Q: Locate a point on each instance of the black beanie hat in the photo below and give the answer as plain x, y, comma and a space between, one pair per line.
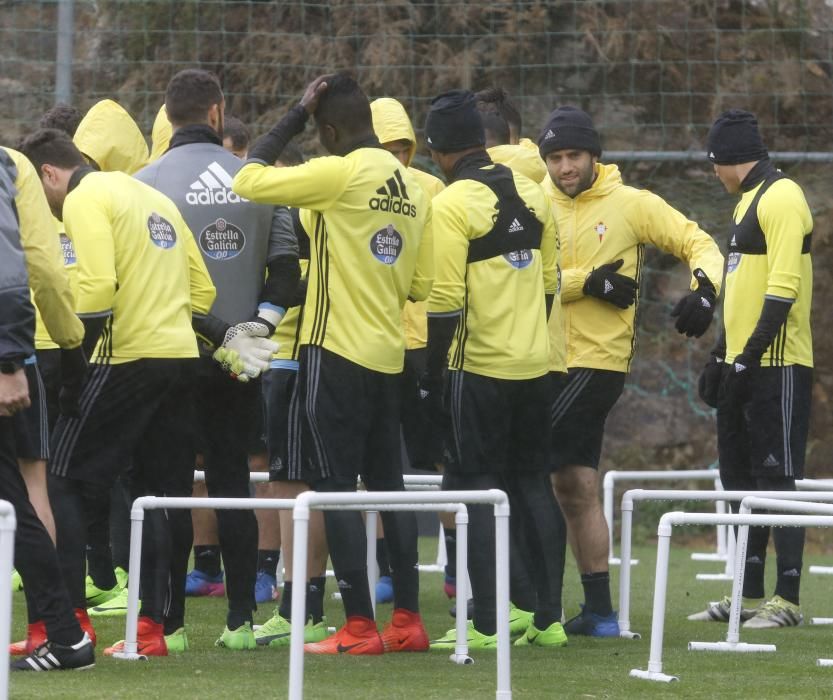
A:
569, 127
734, 138
453, 123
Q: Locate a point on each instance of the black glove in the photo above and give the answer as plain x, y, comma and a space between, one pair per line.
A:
735, 384
608, 285
708, 384
74, 369
695, 310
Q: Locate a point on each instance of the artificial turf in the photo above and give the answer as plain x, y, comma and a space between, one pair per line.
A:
586, 668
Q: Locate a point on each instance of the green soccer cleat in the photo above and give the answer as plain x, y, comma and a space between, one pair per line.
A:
776, 612
519, 621
177, 642
99, 596
475, 639
241, 639
276, 631
17, 582
115, 607
553, 636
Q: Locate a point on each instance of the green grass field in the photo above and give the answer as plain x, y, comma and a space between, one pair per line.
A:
586, 668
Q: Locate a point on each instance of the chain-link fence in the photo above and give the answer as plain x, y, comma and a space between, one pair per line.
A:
653, 73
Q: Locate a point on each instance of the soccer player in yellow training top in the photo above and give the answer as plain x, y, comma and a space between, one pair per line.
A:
604, 226
760, 375
496, 280
369, 226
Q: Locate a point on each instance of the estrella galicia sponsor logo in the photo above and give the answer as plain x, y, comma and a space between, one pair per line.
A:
222, 240
393, 197
519, 258
162, 234
67, 250
733, 261
386, 245
213, 186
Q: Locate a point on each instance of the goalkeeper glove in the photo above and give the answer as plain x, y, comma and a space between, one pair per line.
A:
736, 382
695, 310
608, 285
246, 350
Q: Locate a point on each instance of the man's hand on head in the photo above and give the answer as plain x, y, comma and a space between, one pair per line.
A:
313, 93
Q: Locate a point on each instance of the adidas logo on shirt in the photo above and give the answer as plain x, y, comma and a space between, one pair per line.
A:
213, 187
515, 226
393, 197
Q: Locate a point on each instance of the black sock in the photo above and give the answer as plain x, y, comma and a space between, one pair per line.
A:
315, 599
753, 579
267, 560
597, 593
451, 552
285, 606
207, 559
236, 618
355, 593
100, 567
382, 557
789, 550
401, 535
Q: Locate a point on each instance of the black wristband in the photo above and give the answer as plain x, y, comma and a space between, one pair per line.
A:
269, 147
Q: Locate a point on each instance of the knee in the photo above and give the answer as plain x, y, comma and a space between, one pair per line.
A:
577, 495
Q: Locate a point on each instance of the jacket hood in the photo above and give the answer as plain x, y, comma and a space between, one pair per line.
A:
522, 157
109, 136
607, 180
391, 123
160, 137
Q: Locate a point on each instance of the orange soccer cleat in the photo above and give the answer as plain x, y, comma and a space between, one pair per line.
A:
359, 636
150, 638
35, 636
405, 632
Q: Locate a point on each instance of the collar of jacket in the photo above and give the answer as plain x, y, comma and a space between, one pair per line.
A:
194, 133
473, 161
77, 176
371, 141
757, 175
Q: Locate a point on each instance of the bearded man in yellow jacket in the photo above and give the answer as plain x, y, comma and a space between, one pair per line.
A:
604, 226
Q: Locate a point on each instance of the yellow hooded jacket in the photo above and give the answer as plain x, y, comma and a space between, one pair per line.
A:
48, 280
160, 136
391, 123
606, 222
108, 135
522, 157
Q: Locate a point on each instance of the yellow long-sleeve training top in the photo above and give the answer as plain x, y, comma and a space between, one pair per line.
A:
48, 280
604, 223
138, 266
371, 248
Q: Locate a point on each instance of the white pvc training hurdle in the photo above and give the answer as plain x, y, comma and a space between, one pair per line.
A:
790, 502
391, 500
614, 476
8, 525
666, 524
632, 497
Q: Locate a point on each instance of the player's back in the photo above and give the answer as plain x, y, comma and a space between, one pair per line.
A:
132, 249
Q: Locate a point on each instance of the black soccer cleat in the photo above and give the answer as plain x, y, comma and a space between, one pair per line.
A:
51, 656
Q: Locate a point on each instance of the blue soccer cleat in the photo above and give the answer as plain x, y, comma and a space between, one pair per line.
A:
590, 624
384, 590
265, 587
198, 583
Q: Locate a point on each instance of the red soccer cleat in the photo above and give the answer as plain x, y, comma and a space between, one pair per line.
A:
150, 638
405, 632
86, 625
359, 636
35, 636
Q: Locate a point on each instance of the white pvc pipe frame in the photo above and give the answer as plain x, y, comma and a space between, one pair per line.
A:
451, 501
8, 525
608, 502
413, 482
393, 500
664, 531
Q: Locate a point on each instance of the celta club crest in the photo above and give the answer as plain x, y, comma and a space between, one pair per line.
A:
600, 230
